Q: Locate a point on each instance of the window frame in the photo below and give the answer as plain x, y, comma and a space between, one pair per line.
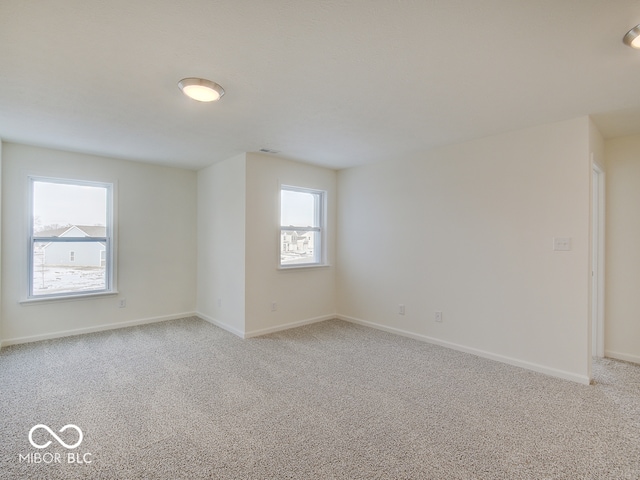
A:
108, 240
320, 207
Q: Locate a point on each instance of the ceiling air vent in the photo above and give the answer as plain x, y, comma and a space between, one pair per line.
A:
267, 150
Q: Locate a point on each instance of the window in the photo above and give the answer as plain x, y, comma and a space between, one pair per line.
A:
301, 227
70, 238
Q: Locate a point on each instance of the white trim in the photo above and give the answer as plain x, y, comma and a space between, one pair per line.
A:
320, 213
584, 379
110, 239
598, 269
1, 240
98, 328
263, 331
304, 265
220, 324
287, 326
66, 298
622, 356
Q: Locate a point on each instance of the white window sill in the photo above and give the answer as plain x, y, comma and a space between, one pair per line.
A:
66, 298
304, 266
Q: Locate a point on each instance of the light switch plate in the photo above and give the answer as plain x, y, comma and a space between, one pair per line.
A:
562, 244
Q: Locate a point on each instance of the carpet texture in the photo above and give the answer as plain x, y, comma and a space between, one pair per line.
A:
185, 399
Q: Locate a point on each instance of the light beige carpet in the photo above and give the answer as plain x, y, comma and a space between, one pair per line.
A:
185, 399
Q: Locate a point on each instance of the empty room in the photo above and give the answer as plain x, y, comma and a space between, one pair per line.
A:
338, 239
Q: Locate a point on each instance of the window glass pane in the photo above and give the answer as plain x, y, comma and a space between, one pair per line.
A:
297, 209
54, 272
58, 206
298, 247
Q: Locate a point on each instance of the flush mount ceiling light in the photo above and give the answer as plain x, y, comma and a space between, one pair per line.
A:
200, 89
632, 38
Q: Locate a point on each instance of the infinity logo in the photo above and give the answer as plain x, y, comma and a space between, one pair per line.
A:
58, 439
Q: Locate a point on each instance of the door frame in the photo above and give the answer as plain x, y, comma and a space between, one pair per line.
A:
597, 259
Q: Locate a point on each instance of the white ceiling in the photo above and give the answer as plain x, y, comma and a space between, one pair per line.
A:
331, 82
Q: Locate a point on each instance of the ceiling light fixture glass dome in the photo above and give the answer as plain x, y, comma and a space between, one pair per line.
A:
201, 89
632, 38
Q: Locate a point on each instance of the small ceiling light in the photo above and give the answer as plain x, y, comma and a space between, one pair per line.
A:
200, 89
632, 38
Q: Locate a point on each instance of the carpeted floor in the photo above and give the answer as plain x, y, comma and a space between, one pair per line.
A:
185, 399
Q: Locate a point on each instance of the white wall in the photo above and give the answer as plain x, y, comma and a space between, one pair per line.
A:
221, 244
468, 230
302, 295
465, 229
622, 280
156, 244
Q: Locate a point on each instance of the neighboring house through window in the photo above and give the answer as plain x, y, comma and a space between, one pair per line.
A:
70, 238
302, 216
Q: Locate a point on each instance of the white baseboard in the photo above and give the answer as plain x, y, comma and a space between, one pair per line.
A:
287, 326
255, 333
622, 356
585, 380
220, 324
97, 328
263, 331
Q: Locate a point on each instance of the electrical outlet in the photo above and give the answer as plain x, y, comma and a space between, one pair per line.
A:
219, 302
274, 306
439, 317
401, 309
122, 303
